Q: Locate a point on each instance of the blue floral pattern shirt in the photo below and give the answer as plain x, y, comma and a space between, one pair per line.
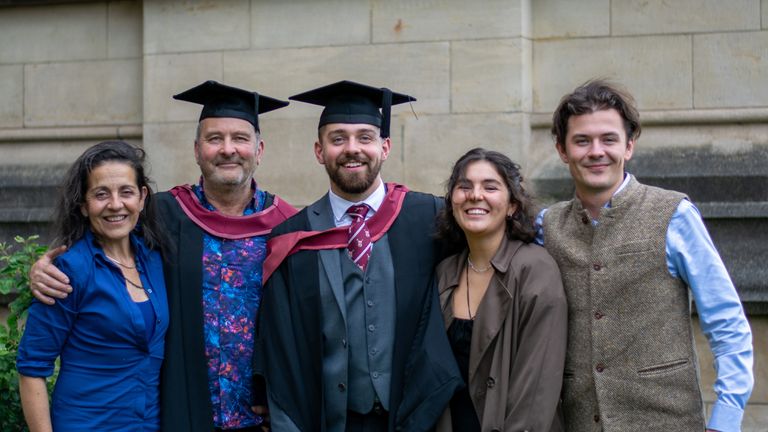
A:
232, 289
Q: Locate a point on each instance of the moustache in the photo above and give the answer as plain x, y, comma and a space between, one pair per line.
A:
219, 160
345, 159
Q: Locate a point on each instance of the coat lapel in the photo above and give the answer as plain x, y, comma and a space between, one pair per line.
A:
449, 284
320, 217
494, 306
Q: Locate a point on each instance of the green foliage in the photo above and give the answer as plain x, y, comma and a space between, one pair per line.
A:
14, 278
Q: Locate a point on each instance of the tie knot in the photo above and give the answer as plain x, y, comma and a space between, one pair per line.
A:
358, 211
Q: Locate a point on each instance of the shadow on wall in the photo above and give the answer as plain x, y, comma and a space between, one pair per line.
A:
731, 191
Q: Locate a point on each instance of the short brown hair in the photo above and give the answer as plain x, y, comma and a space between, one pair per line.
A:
596, 95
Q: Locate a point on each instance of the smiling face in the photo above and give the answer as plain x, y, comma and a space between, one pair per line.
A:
596, 148
481, 201
113, 202
353, 155
227, 151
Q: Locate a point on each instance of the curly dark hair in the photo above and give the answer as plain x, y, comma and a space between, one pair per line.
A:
70, 225
519, 226
595, 95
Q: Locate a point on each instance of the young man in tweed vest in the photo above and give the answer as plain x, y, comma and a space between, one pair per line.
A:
630, 255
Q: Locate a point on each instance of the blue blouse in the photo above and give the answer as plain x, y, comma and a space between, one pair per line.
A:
110, 369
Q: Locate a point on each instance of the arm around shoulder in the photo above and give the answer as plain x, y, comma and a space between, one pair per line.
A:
47, 282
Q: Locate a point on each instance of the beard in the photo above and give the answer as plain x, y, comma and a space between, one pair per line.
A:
228, 178
356, 183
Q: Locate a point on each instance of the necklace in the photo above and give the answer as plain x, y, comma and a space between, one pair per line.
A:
133, 283
119, 263
477, 269
469, 308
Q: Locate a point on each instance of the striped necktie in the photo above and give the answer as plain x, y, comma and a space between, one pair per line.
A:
359, 240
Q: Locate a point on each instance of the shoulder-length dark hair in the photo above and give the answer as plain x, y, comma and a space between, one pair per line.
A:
69, 223
519, 225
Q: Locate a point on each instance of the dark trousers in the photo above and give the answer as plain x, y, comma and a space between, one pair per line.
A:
375, 421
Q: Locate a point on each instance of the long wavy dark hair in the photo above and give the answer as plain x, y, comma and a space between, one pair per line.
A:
519, 225
70, 225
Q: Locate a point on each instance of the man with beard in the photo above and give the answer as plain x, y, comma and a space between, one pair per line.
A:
351, 331
217, 230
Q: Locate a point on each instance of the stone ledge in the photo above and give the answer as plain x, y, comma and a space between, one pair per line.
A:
17, 135
25, 176
35, 214
729, 190
733, 210
704, 173
681, 117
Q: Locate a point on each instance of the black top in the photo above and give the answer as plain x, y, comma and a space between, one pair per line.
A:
463, 415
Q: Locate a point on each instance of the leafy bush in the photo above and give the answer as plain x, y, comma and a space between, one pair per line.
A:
14, 279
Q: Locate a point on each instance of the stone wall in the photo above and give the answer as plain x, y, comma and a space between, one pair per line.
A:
486, 73
70, 76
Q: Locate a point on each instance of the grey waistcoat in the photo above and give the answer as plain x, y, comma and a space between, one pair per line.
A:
357, 362
631, 362
370, 305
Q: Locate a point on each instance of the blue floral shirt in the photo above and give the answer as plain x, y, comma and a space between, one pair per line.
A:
232, 289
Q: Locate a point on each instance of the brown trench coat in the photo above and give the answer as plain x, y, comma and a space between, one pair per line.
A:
517, 352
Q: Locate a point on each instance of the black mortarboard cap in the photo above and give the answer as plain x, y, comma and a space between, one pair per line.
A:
351, 102
220, 100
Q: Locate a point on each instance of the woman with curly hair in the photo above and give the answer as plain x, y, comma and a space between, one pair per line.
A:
503, 302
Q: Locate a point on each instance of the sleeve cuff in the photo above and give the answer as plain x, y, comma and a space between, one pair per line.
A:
725, 418
35, 369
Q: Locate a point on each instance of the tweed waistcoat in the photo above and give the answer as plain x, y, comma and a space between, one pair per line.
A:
631, 363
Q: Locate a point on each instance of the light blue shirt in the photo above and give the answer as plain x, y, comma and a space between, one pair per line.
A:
692, 257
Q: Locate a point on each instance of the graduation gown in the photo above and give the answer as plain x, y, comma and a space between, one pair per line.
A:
185, 400
424, 373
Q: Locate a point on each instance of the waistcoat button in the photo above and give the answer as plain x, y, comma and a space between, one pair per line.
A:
342, 387
596, 266
491, 382
600, 367
597, 418
598, 315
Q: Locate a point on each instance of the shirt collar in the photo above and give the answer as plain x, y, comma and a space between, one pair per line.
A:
340, 205
140, 250
627, 177
252, 207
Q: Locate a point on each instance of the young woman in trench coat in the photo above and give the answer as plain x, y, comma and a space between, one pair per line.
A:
503, 302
